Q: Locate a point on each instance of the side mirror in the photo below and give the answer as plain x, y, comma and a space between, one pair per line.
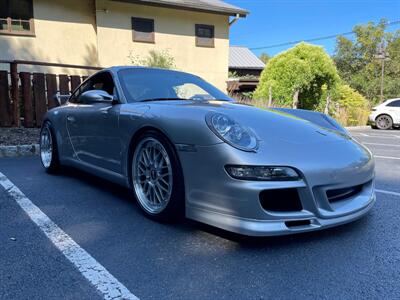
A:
96, 96
61, 99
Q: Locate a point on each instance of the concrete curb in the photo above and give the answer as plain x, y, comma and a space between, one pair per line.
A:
20, 150
358, 127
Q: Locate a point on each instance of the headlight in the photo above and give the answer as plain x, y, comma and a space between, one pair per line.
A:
231, 132
262, 173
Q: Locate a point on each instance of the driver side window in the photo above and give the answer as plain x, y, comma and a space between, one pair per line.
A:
101, 81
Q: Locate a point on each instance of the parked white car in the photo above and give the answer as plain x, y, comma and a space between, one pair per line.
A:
386, 115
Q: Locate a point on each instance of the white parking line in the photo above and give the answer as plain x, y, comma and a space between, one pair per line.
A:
93, 271
386, 157
391, 137
382, 134
387, 192
378, 144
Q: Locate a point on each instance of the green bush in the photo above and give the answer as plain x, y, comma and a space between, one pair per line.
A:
296, 77
351, 108
157, 59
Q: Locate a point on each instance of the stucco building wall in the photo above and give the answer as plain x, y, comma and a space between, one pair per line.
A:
65, 32
99, 32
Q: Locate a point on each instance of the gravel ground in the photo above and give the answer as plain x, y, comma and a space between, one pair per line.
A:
19, 136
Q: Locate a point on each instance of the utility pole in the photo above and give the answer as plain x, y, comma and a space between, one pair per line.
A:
383, 56
382, 75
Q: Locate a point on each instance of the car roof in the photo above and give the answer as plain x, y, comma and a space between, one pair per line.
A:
115, 69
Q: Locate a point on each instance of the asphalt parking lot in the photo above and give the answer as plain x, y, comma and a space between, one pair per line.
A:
190, 260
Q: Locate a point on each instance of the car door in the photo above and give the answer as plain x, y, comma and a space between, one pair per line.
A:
394, 108
93, 127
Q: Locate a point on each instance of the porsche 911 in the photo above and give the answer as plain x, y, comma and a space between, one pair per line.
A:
186, 149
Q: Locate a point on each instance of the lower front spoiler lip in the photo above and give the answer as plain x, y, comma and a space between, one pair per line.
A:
253, 227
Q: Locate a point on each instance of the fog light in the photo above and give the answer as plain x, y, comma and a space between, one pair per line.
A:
262, 173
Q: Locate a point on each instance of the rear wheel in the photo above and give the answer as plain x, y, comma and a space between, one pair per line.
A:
384, 122
48, 149
157, 178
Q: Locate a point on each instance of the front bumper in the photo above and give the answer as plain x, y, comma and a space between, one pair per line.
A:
214, 198
276, 227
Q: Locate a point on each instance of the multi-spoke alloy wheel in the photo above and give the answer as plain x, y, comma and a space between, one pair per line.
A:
46, 147
384, 122
152, 175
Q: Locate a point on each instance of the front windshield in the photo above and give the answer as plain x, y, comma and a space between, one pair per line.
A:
140, 84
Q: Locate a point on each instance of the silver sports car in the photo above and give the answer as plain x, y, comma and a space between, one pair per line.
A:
187, 149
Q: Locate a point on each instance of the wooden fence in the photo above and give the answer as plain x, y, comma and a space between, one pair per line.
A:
26, 96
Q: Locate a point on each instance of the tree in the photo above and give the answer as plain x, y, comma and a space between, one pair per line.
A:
264, 57
297, 76
157, 59
360, 62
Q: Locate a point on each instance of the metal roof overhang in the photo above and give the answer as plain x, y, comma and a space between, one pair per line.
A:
198, 6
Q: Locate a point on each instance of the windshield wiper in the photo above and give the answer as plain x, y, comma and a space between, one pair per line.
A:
162, 99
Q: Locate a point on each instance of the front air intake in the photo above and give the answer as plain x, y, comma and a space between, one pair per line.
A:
281, 200
343, 194
297, 223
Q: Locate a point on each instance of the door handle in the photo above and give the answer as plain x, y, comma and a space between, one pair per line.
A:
70, 119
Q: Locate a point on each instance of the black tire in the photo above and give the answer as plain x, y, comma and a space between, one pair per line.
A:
384, 122
175, 207
51, 165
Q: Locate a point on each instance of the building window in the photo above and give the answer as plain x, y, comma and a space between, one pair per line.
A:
143, 30
204, 35
16, 17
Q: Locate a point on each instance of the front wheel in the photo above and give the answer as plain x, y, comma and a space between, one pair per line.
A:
157, 178
48, 149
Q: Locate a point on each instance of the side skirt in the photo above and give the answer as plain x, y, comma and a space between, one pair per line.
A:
97, 171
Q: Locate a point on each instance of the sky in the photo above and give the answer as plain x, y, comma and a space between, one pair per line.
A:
272, 22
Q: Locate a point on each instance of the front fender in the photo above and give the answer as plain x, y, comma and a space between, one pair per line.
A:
314, 117
182, 125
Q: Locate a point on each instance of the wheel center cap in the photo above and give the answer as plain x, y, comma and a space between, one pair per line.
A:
153, 174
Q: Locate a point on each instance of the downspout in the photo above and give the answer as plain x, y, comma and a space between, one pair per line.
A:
233, 21
96, 31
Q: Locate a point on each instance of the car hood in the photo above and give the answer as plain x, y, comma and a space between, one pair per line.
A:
184, 122
284, 139
270, 125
